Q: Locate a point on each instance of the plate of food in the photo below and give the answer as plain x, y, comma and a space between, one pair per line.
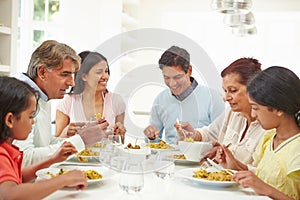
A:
86, 155
181, 159
93, 174
162, 146
209, 177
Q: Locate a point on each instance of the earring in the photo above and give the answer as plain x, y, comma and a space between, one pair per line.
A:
297, 117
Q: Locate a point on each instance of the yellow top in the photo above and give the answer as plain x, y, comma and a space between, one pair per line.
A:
279, 167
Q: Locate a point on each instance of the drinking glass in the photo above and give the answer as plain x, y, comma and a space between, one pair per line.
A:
105, 151
131, 178
115, 140
169, 171
114, 144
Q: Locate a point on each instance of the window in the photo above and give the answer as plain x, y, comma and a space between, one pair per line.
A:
38, 21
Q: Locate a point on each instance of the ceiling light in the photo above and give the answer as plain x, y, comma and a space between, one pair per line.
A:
234, 20
244, 30
232, 6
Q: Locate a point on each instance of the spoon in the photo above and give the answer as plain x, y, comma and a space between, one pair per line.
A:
180, 128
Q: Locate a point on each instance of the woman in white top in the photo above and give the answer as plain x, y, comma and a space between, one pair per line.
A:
89, 98
235, 126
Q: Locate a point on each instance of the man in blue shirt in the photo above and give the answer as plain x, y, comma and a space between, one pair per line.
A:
185, 99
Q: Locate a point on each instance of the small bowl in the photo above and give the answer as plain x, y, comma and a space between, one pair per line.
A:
135, 154
194, 151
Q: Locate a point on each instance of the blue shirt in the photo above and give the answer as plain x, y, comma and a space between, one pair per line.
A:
199, 108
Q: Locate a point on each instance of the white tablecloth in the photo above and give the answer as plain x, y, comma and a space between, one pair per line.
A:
157, 188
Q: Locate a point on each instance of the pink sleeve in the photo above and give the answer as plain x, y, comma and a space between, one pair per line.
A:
119, 105
65, 105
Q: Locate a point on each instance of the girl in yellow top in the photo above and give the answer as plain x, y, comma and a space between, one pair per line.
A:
275, 98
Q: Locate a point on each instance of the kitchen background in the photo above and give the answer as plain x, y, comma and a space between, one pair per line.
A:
272, 38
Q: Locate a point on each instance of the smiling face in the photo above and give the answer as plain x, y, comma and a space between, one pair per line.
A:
176, 79
21, 125
56, 81
97, 76
235, 93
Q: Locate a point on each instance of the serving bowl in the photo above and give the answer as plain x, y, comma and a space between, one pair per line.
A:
136, 154
194, 151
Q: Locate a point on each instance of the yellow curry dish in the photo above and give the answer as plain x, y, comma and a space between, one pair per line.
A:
212, 176
161, 145
179, 157
86, 152
89, 174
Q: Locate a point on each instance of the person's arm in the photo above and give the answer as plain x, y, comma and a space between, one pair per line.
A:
119, 125
38, 144
61, 122
186, 130
211, 132
41, 189
90, 134
227, 160
156, 126
60, 155
36, 150
151, 132
119, 107
249, 179
120, 118
120, 112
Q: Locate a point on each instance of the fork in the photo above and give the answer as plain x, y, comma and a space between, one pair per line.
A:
205, 164
180, 128
219, 167
184, 132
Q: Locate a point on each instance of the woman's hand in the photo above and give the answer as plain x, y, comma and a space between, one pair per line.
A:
212, 153
72, 129
103, 123
119, 129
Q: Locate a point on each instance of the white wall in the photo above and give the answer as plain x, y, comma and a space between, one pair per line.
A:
87, 23
277, 21
276, 43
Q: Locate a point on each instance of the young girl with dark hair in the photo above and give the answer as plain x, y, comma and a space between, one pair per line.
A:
17, 111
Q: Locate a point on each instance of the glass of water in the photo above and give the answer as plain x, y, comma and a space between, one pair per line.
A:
131, 178
169, 170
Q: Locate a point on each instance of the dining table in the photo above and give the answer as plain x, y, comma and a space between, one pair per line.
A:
174, 186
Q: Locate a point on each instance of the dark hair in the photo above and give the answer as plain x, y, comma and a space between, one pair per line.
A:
175, 56
14, 98
246, 68
277, 88
88, 60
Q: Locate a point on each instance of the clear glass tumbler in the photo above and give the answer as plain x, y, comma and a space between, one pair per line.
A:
131, 177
